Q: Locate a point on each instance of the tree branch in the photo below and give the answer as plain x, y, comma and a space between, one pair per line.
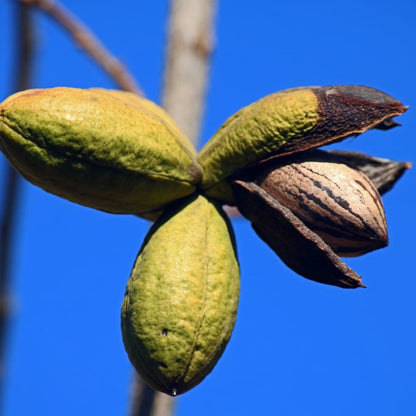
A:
189, 50
188, 53
87, 41
23, 70
146, 401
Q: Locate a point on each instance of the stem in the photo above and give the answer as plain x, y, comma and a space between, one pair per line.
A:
189, 50
149, 402
87, 41
23, 71
188, 53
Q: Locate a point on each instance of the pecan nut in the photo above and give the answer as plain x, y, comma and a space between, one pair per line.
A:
337, 202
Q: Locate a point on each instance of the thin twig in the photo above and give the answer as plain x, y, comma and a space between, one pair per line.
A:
188, 53
87, 41
189, 50
23, 71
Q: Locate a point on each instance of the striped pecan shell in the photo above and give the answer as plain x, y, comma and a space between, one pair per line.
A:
337, 202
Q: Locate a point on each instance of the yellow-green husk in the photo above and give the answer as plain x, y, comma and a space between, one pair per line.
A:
254, 132
97, 149
181, 300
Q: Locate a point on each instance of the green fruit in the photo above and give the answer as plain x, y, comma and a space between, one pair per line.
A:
96, 149
287, 122
181, 300
252, 133
152, 108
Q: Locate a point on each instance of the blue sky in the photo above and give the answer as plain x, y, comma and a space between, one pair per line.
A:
299, 348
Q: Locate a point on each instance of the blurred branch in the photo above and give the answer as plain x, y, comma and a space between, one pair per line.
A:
23, 71
189, 50
87, 41
149, 402
189, 47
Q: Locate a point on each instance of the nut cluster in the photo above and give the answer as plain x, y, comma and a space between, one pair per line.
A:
120, 153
